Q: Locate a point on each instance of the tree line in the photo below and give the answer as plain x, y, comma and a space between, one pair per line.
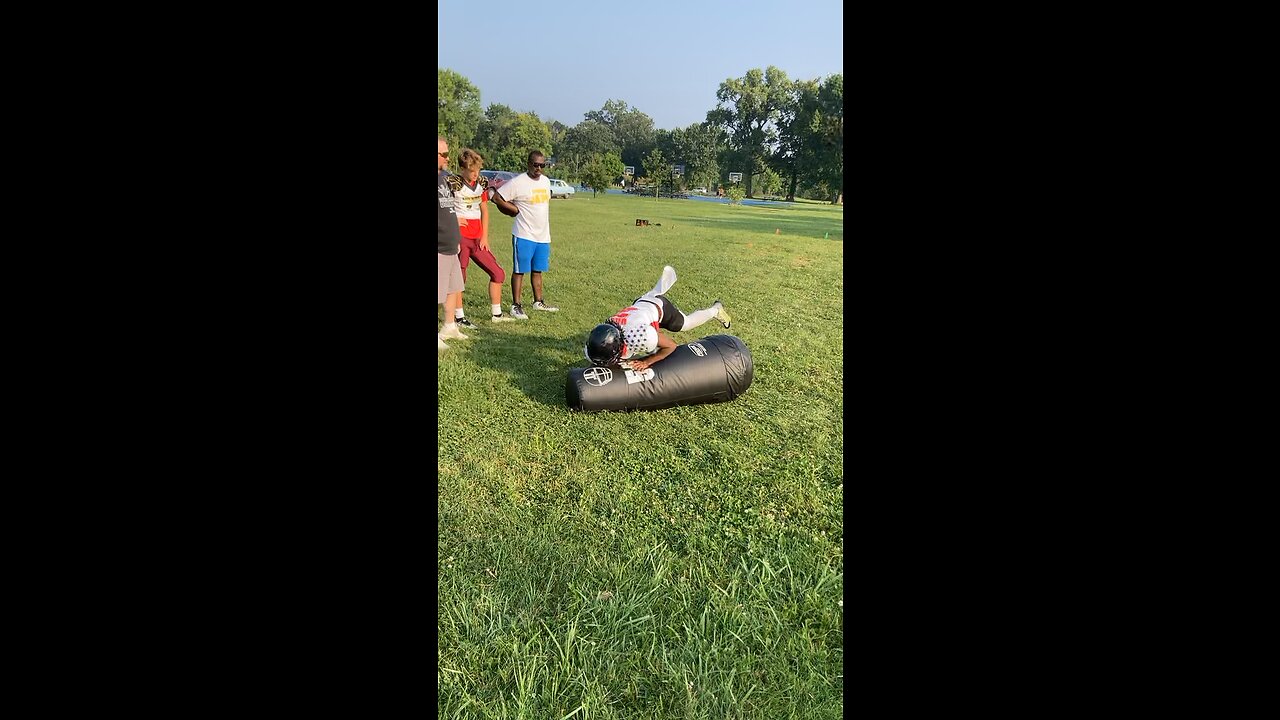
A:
785, 136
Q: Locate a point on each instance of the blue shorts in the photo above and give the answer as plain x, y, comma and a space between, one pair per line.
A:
527, 254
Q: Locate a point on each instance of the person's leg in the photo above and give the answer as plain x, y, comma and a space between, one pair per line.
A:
675, 320
495, 298
541, 262
522, 261
455, 288
665, 282
442, 294
465, 250
489, 263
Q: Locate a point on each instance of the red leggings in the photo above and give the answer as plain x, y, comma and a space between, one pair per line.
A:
469, 249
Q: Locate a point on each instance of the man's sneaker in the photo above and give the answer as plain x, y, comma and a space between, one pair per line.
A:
539, 305
440, 344
517, 312
502, 318
722, 316
454, 334
466, 323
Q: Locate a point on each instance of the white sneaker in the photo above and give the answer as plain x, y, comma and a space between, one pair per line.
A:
440, 344
539, 305
517, 312
723, 316
454, 334
502, 318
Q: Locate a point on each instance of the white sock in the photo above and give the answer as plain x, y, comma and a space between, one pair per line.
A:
694, 319
497, 308
459, 314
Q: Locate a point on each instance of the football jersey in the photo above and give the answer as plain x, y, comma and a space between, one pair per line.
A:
469, 198
639, 330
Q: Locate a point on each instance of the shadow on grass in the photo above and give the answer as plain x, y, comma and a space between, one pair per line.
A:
537, 363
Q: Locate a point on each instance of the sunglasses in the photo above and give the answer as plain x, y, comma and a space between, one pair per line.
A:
538, 165
444, 155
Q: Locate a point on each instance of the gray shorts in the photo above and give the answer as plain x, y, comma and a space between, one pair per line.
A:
448, 276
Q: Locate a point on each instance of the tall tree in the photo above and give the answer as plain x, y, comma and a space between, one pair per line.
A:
633, 130
829, 124
458, 113
601, 170
656, 169
528, 133
694, 147
494, 133
584, 141
795, 130
747, 109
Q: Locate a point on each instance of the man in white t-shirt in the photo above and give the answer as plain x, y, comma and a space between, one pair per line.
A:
527, 198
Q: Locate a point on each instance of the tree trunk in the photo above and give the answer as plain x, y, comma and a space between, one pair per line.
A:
791, 194
839, 198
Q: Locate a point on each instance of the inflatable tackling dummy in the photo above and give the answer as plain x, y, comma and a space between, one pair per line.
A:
713, 369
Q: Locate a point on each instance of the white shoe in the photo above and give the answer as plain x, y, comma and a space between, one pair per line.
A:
502, 318
440, 344
539, 305
454, 334
517, 312
722, 316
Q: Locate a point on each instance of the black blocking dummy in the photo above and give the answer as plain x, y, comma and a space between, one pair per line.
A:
713, 369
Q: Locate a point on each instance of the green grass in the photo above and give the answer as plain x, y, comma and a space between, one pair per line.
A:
682, 563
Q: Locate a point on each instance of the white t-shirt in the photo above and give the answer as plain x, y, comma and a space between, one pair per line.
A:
639, 330
533, 199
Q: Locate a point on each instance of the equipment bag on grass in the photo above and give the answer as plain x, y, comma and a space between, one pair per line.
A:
713, 369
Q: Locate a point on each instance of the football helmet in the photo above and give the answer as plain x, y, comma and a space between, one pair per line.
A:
604, 344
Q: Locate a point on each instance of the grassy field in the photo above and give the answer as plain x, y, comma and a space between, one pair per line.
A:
681, 563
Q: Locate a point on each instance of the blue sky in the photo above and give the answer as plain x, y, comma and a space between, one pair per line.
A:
561, 59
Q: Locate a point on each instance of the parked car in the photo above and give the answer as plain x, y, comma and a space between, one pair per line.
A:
561, 188
497, 177
698, 190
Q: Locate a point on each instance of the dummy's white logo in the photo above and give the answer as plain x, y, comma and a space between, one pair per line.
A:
598, 376
698, 349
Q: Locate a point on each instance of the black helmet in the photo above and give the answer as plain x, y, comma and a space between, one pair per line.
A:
604, 344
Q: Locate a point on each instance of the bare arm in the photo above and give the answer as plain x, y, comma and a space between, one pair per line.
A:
666, 346
505, 207
484, 225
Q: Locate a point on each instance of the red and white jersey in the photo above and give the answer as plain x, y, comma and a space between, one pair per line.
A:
639, 329
467, 197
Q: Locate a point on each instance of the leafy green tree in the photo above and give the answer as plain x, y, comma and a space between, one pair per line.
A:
768, 182
633, 130
656, 168
494, 133
695, 147
747, 109
601, 170
458, 111
583, 142
811, 144
795, 131
829, 135
505, 138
